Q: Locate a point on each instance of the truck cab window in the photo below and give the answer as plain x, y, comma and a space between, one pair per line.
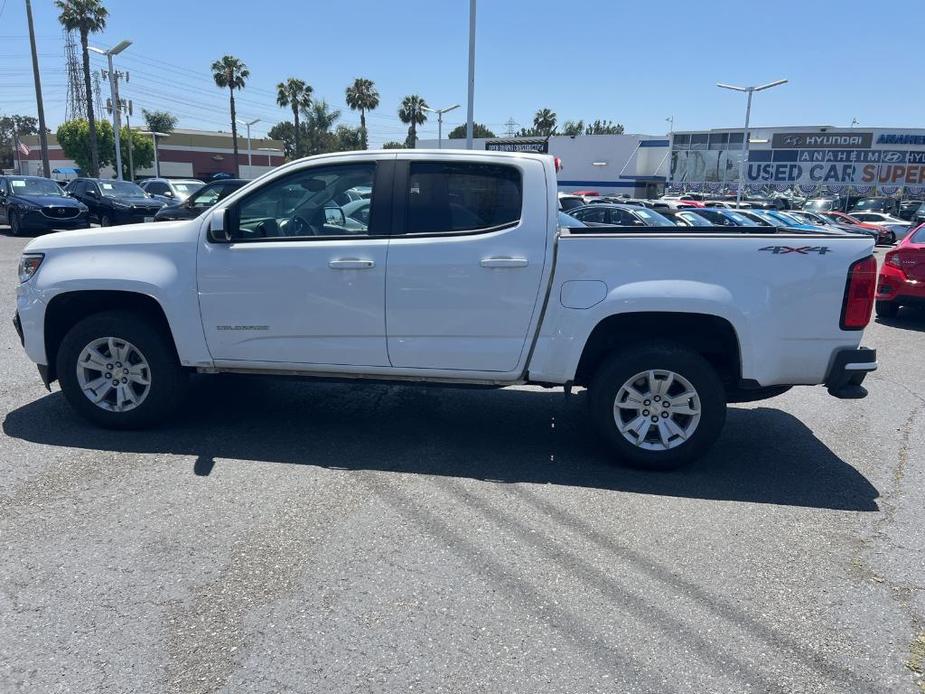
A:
449, 197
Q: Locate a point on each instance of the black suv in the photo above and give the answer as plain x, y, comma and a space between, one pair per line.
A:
114, 202
33, 203
200, 201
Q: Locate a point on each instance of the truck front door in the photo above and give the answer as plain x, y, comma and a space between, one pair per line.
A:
465, 262
300, 282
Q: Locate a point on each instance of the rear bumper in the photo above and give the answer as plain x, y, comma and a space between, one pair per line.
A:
848, 370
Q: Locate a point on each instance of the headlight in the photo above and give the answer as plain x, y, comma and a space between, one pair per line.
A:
29, 265
28, 204
120, 205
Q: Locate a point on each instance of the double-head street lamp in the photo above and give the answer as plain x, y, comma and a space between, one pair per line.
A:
114, 92
440, 112
250, 153
748, 113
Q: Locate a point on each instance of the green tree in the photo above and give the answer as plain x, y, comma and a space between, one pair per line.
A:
478, 130
392, 144
362, 96
319, 119
528, 132
10, 126
142, 151
347, 139
159, 121
604, 127
285, 132
74, 138
544, 121
86, 17
297, 95
573, 128
412, 112
231, 73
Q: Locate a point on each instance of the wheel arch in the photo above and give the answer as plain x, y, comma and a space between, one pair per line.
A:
67, 309
711, 336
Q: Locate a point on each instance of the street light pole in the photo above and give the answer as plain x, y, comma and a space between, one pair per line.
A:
114, 95
250, 153
748, 113
440, 112
469, 113
154, 135
269, 151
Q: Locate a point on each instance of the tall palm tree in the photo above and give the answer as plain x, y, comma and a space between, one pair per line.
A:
232, 73
362, 96
296, 94
86, 17
412, 112
544, 121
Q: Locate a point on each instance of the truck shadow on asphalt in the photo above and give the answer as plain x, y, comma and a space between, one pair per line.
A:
909, 318
765, 455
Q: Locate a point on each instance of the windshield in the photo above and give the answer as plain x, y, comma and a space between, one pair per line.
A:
819, 205
121, 189
570, 203
694, 219
35, 186
919, 235
740, 219
870, 204
566, 220
653, 219
187, 187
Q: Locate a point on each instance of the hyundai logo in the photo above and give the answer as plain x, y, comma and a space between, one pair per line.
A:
892, 157
792, 140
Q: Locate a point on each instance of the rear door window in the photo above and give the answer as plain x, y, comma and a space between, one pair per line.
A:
450, 197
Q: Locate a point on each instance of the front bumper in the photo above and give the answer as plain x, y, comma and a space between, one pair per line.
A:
18, 325
848, 370
38, 220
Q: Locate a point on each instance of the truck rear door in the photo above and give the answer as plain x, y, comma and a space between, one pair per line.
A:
465, 261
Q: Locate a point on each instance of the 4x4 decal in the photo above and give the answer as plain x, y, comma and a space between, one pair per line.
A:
802, 250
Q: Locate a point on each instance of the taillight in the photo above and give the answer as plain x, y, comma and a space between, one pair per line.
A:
859, 294
892, 258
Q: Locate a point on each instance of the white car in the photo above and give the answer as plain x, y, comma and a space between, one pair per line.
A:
462, 275
898, 226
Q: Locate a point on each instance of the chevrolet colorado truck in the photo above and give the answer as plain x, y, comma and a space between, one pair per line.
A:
448, 267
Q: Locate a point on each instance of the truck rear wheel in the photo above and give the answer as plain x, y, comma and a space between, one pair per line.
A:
658, 405
119, 371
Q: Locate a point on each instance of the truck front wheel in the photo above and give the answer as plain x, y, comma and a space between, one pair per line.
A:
120, 372
658, 405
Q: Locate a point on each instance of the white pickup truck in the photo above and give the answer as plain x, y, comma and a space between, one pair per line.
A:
448, 267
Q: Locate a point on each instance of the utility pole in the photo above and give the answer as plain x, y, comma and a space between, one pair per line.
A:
440, 112
39, 104
131, 139
469, 115
114, 95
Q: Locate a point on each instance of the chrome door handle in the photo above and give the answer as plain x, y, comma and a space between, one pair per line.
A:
504, 262
351, 264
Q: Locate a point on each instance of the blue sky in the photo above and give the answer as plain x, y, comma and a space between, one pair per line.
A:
633, 63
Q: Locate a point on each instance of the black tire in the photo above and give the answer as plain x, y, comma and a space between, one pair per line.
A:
621, 366
892, 238
105, 221
168, 380
15, 225
886, 309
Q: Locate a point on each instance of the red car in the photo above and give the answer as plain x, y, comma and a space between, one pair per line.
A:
902, 276
884, 236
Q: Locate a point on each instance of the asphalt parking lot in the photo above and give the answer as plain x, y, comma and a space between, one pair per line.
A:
283, 536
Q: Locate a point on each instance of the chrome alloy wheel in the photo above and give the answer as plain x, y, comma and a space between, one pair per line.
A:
113, 374
657, 410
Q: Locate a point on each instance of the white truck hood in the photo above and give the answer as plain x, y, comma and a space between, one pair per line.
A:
149, 233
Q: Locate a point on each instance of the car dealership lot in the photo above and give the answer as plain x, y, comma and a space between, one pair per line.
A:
315, 537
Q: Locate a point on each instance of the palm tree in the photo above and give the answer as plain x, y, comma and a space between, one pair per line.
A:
544, 121
232, 73
297, 95
319, 119
362, 96
86, 17
412, 111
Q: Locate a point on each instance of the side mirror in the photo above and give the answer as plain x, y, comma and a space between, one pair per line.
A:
93, 193
334, 216
218, 233
167, 193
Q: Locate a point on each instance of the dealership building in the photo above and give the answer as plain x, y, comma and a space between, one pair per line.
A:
634, 165
806, 160
184, 154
